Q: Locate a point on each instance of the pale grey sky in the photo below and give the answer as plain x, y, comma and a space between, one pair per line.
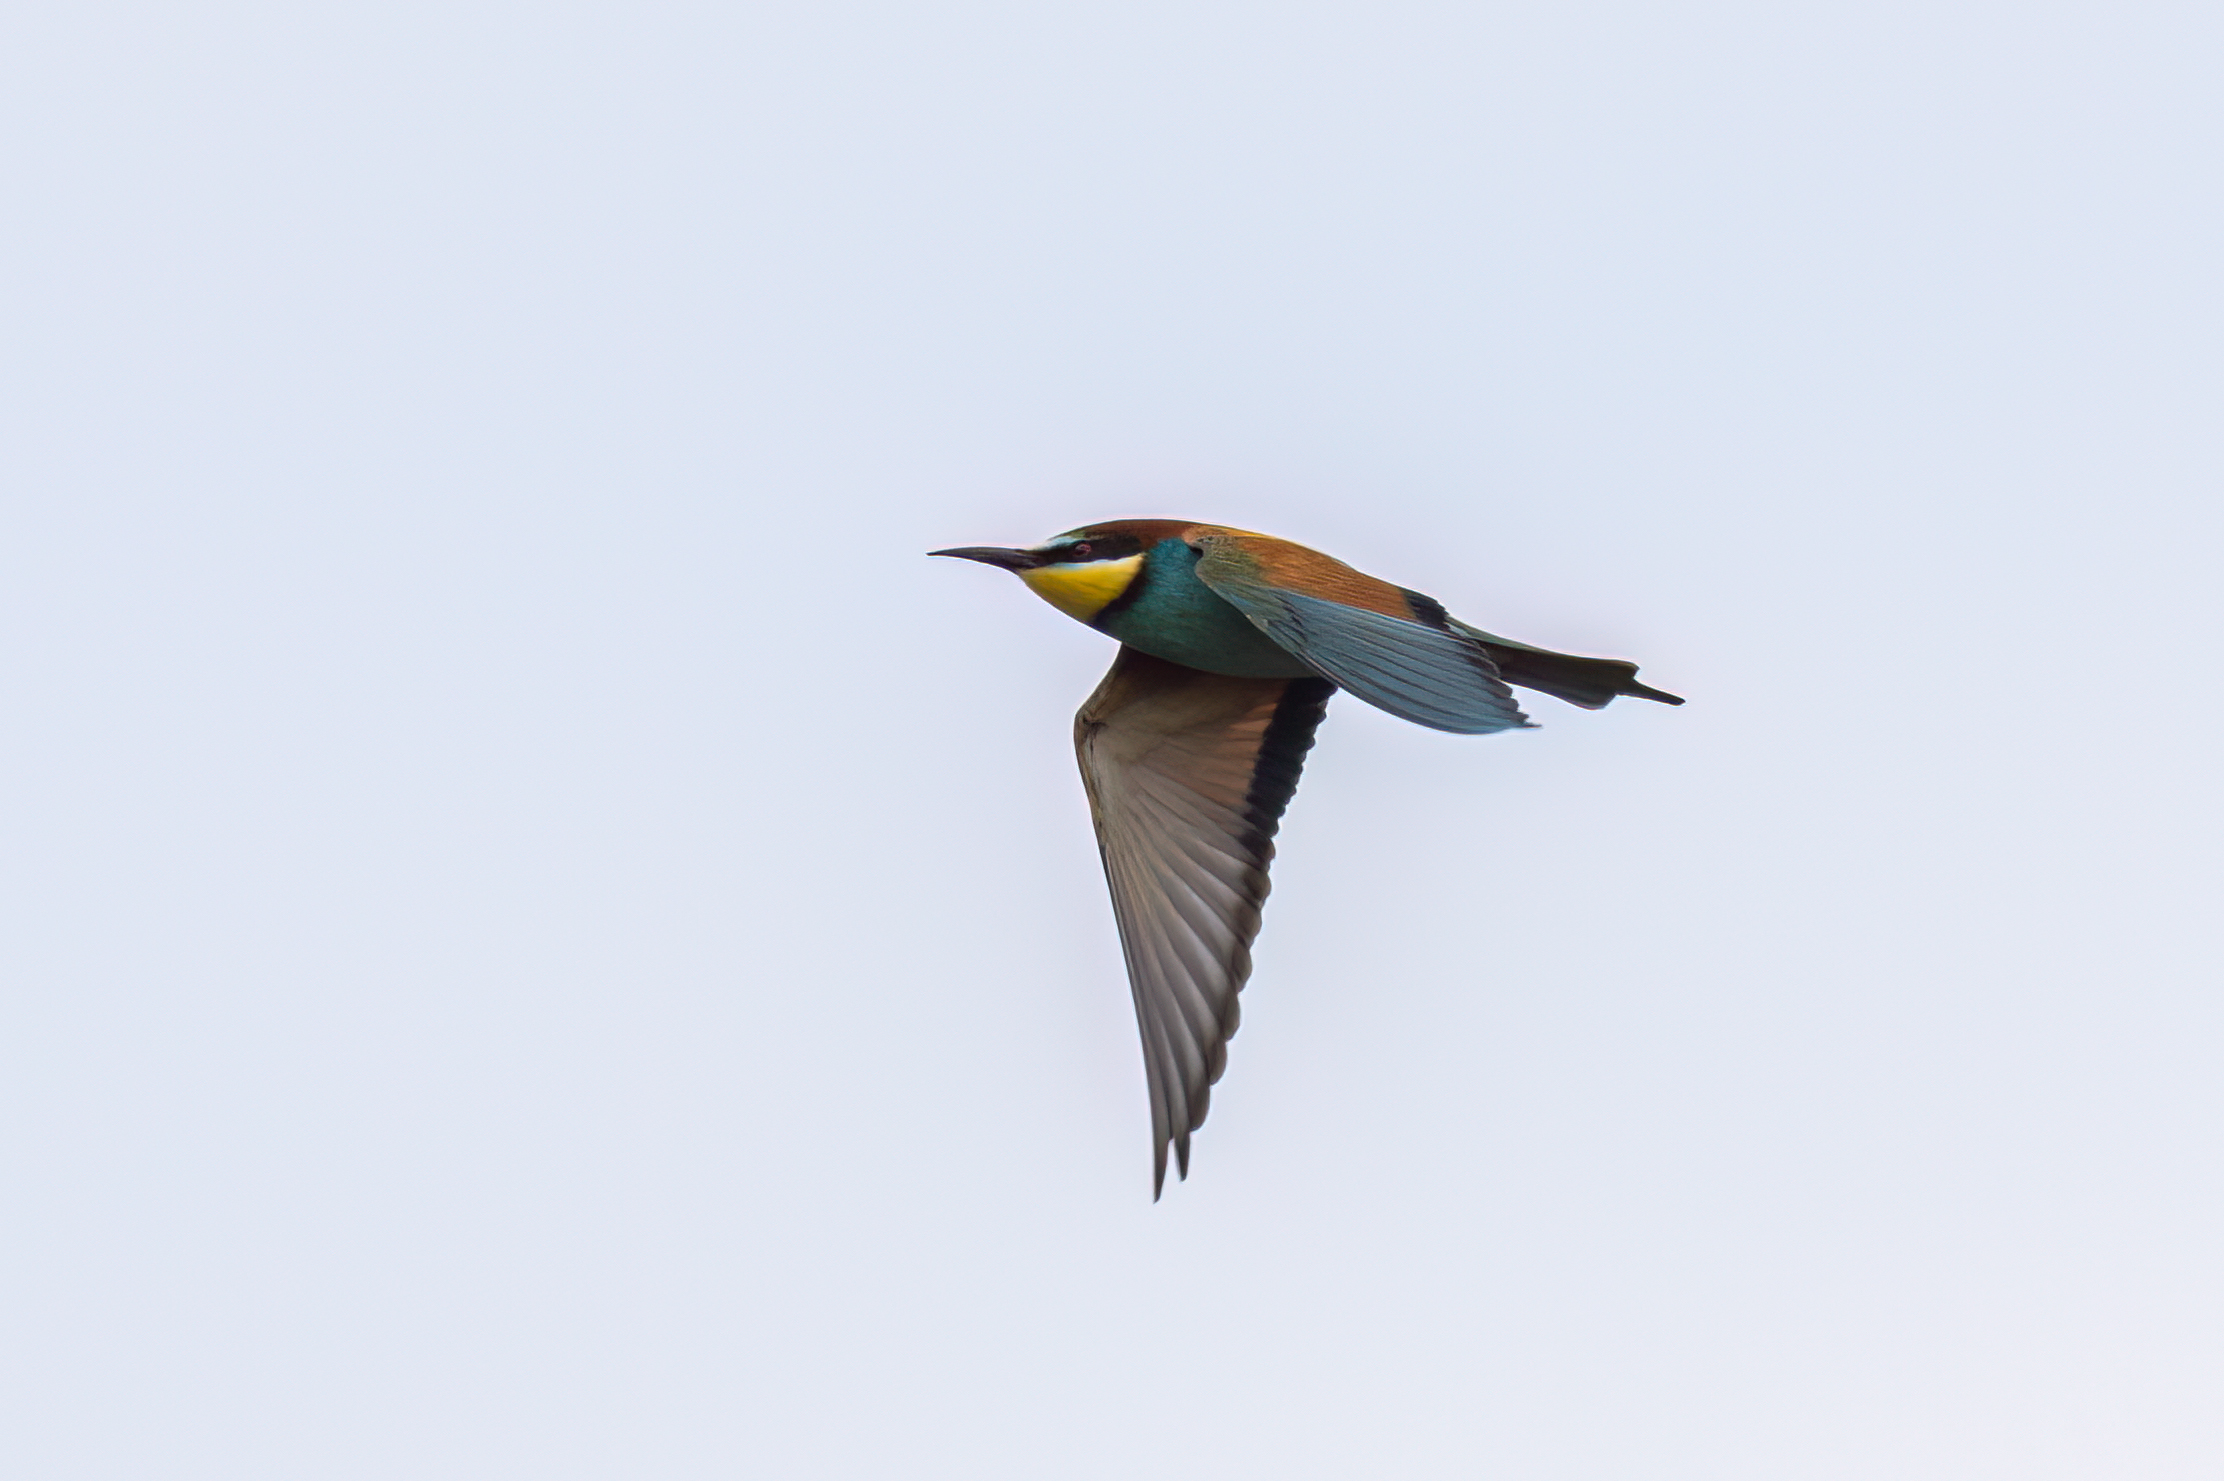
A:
550, 941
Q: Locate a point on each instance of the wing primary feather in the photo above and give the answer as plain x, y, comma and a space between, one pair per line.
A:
1188, 774
1369, 638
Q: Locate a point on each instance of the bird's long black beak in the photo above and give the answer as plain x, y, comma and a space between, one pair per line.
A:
995, 555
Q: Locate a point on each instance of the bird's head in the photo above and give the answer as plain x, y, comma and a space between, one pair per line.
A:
1082, 571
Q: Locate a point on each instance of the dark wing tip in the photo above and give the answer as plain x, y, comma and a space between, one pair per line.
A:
1180, 1144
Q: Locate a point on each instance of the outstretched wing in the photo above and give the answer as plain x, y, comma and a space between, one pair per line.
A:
1188, 773
1433, 675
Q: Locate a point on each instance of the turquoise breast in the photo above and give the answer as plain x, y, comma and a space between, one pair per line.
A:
1170, 614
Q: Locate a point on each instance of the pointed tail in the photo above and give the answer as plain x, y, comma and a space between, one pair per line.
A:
1590, 682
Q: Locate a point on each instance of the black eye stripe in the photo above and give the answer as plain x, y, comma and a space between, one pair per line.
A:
1096, 548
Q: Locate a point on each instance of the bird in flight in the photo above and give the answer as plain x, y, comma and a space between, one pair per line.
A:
1231, 644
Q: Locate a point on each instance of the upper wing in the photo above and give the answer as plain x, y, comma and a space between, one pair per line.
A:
1188, 773
1435, 676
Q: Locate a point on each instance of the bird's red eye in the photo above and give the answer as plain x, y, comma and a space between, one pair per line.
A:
1083, 550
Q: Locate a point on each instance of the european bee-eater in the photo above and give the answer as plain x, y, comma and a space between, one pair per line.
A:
1230, 645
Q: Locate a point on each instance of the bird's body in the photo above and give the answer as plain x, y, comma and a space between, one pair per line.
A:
1232, 645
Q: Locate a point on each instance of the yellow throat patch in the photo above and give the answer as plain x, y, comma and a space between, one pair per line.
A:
1081, 589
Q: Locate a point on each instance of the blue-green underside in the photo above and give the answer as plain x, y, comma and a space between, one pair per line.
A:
1170, 614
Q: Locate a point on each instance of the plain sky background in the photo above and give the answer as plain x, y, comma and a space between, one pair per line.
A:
546, 940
